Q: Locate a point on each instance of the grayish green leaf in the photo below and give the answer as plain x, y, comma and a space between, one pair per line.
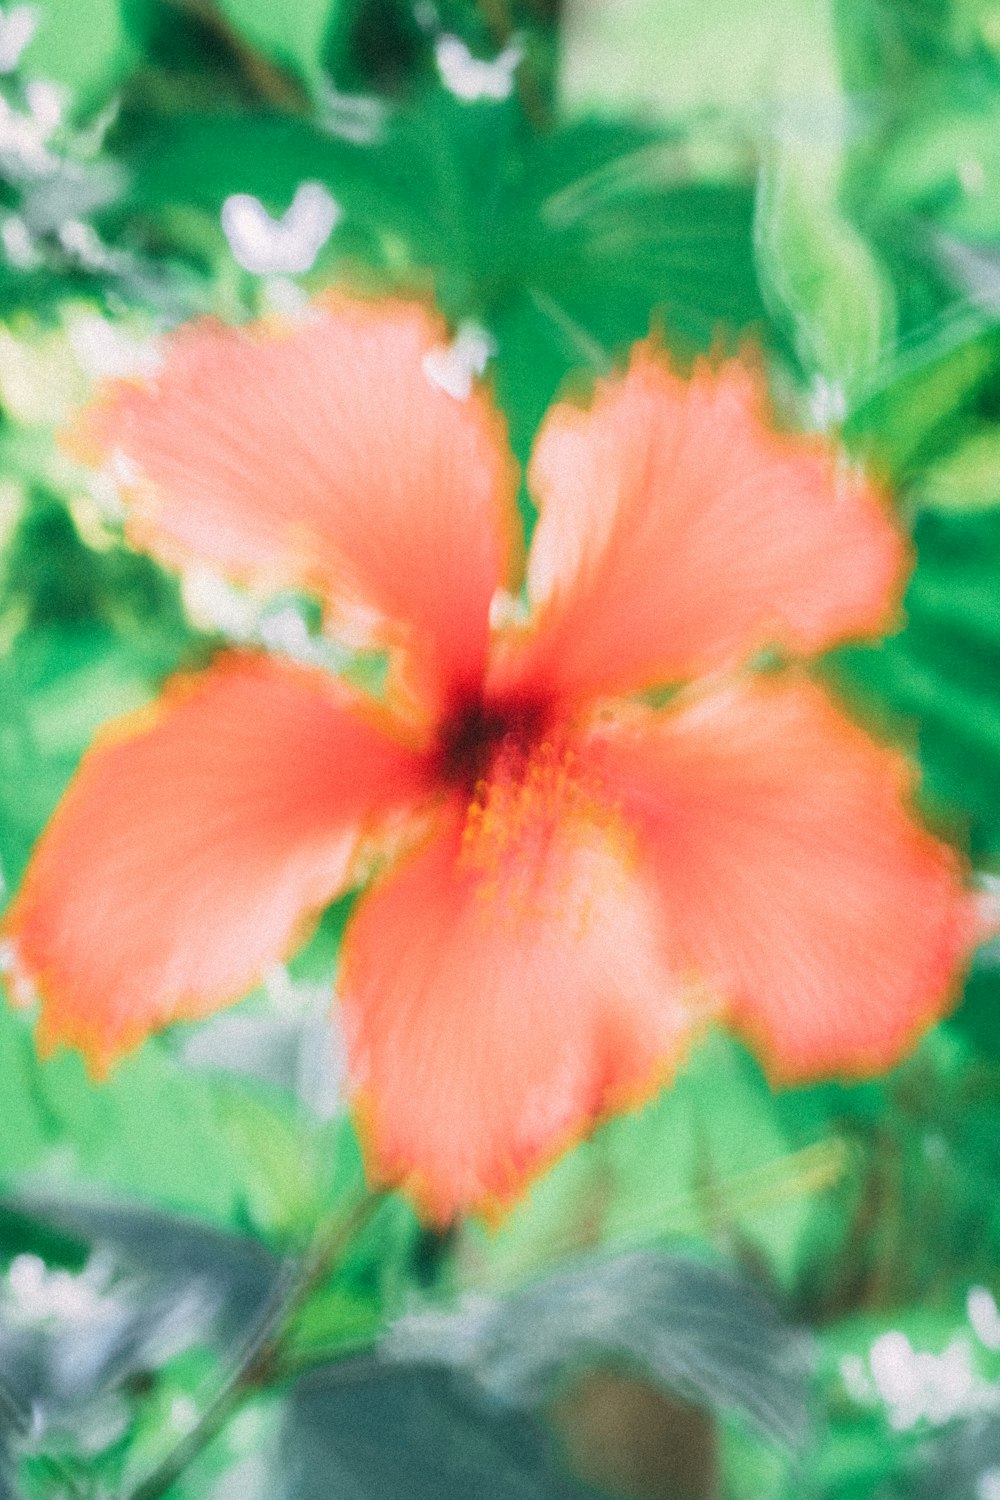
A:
370, 1433
167, 1249
693, 1328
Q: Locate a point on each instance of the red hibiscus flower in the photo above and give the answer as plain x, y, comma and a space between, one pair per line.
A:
569, 879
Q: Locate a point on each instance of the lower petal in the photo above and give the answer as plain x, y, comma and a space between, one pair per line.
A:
496, 1006
795, 878
195, 840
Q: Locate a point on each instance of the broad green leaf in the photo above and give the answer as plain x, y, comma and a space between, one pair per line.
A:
946, 163
105, 683
940, 674
285, 1162
614, 236
47, 719
59, 685
967, 479
708, 1158
976, 1016
916, 412
819, 274
85, 46
25, 1230
88, 636
622, 254
334, 1322
151, 1130
690, 64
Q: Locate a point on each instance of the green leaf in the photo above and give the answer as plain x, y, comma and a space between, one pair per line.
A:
914, 415
940, 675
708, 1158
334, 1321
967, 479
56, 689
819, 273
151, 1130
691, 65
294, 35
946, 163
286, 1163
625, 254
610, 229
58, 685
84, 46
27, 1230
88, 637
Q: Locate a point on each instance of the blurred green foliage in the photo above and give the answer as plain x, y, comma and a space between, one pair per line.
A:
819, 179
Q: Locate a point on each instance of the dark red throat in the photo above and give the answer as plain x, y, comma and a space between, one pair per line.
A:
475, 730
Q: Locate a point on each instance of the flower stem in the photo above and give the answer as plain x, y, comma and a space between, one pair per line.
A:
258, 1362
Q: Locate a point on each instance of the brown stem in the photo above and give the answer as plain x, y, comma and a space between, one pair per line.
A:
272, 83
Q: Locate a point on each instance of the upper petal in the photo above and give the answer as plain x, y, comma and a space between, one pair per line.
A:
679, 532
505, 985
322, 454
796, 880
196, 838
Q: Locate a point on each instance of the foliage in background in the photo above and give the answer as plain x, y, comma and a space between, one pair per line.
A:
199, 1298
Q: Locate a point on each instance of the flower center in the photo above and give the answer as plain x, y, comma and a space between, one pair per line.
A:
536, 818
478, 734
541, 835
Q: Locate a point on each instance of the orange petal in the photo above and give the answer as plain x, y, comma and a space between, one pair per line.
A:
796, 881
193, 842
679, 532
503, 987
322, 455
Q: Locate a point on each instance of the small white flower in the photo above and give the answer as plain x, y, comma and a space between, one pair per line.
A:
470, 78
105, 351
18, 244
454, 367
17, 27
47, 102
984, 1317
285, 246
